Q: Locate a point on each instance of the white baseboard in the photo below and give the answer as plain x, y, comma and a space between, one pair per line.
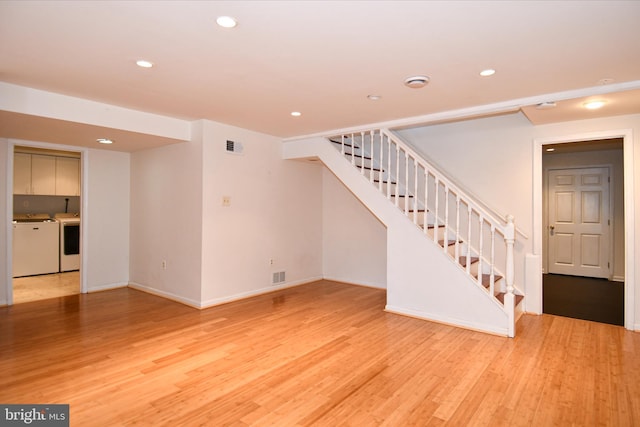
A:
223, 300
366, 284
618, 278
239, 296
168, 295
108, 287
448, 321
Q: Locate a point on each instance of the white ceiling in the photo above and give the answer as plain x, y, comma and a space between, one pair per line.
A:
321, 58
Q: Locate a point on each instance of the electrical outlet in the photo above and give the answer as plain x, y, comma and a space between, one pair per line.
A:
164, 264
226, 201
271, 261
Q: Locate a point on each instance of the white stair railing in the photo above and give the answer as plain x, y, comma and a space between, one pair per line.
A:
444, 213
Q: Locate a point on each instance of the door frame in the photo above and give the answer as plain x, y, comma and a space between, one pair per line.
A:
534, 293
84, 200
610, 206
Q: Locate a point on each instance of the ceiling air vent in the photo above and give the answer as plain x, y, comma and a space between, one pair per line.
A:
233, 147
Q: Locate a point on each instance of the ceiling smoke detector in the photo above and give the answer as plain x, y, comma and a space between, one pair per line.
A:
416, 82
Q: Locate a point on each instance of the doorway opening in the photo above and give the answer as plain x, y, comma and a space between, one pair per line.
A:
583, 230
46, 223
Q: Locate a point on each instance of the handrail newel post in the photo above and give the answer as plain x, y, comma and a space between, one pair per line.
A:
509, 298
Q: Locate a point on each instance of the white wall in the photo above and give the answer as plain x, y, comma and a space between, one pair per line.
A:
490, 157
106, 222
166, 221
275, 213
4, 157
354, 241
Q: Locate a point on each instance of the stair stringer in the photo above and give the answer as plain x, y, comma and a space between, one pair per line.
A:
422, 280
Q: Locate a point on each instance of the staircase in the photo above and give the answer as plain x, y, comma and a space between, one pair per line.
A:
469, 249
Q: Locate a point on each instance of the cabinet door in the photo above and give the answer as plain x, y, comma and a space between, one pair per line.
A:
21, 173
43, 175
67, 176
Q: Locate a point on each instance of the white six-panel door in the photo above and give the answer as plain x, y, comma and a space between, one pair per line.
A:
579, 222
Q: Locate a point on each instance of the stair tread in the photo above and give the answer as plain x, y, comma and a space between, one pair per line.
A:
385, 182
432, 226
360, 156
413, 210
346, 144
486, 279
463, 260
450, 242
369, 168
501, 295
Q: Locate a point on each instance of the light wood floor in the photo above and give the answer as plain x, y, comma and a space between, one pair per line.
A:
319, 354
45, 286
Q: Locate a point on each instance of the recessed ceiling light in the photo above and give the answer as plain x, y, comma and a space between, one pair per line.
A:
296, 113
550, 149
488, 72
104, 141
226, 21
416, 82
593, 105
374, 97
144, 64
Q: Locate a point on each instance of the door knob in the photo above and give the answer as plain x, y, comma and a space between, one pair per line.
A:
552, 227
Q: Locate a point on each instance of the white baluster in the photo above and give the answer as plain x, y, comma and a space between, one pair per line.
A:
509, 298
457, 247
397, 174
480, 247
468, 267
406, 183
415, 191
381, 162
492, 278
362, 151
342, 144
389, 168
426, 199
371, 151
353, 149
445, 238
436, 212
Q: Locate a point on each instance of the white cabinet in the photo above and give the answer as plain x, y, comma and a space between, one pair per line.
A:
67, 176
21, 173
43, 173
46, 175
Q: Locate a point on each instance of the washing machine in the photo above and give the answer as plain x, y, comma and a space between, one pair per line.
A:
69, 241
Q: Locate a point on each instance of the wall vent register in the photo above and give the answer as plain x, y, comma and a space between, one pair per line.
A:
234, 147
278, 277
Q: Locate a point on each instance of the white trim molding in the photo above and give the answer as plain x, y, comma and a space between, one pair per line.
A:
84, 200
534, 293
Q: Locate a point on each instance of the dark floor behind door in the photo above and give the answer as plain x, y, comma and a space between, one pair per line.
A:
599, 300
